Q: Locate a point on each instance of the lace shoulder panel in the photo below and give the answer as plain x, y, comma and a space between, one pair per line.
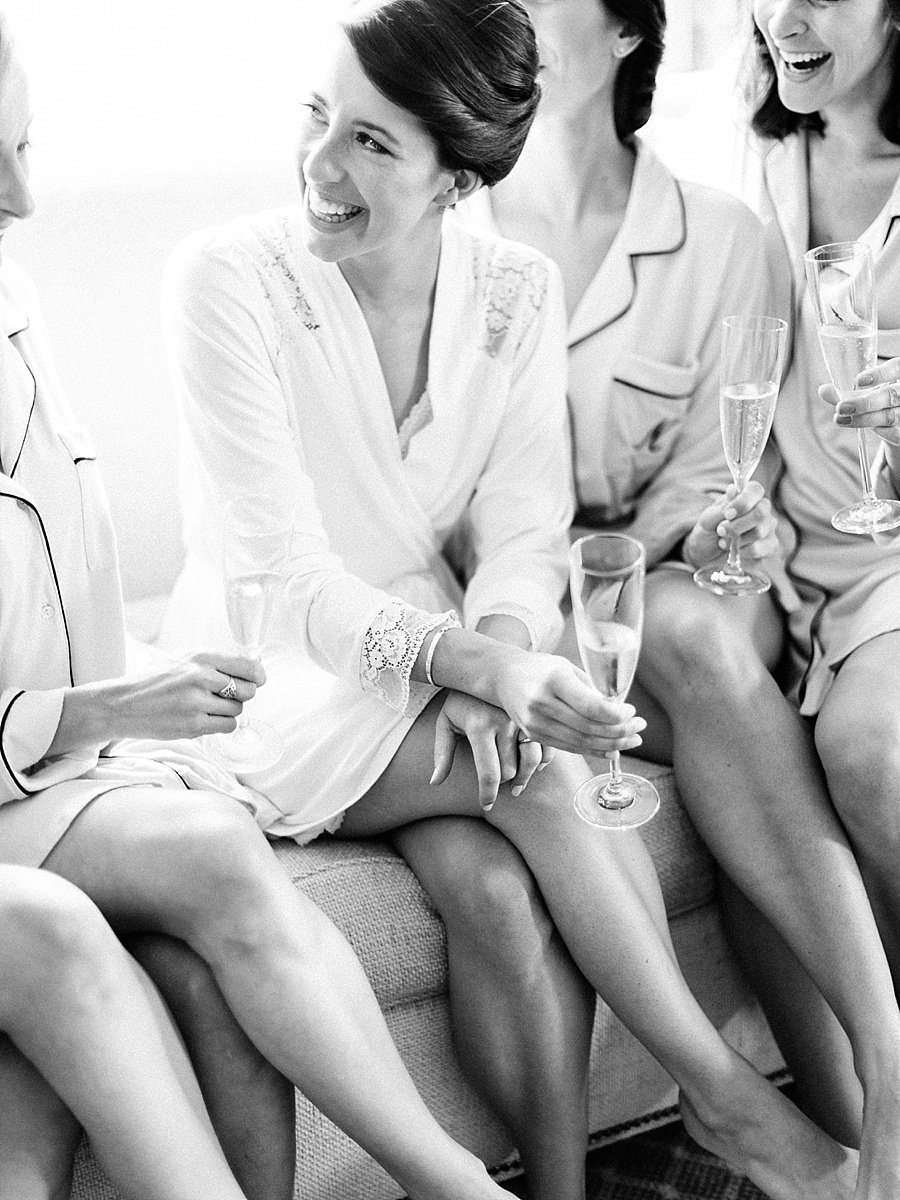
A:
511, 286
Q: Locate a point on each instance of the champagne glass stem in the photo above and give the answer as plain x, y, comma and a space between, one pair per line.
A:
733, 562
862, 445
616, 793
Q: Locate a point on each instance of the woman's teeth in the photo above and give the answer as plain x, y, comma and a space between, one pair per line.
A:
803, 64
331, 210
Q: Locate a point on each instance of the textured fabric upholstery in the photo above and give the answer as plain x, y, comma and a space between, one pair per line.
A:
374, 898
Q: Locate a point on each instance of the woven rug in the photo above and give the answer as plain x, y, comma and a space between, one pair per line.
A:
664, 1164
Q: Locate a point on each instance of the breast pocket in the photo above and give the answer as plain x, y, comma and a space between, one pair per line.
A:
96, 521
648, 403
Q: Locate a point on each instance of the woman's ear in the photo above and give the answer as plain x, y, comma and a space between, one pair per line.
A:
464, 183
627, 41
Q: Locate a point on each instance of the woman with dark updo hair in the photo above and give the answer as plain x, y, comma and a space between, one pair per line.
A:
392, 383
651, 265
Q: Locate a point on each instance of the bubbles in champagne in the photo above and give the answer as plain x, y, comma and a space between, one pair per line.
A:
747, 410
848, 350
609, 652
250, 603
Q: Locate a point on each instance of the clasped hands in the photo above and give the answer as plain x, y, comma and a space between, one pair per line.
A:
542, 698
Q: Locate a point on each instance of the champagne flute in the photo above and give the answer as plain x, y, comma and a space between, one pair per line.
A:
606, 572
750, 364
842, 289
255, 549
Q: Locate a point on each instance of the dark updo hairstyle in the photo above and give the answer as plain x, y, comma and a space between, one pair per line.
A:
636, 78
771, 118
467, 69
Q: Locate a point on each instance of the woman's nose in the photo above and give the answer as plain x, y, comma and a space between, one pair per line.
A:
15, 190
321, 162
785, 17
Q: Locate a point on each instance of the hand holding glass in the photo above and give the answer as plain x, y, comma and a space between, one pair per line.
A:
255, 552
606, 572
750, 365
842, 289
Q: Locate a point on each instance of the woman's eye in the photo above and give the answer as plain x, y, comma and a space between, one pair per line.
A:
313, 112
369, 143
23, 147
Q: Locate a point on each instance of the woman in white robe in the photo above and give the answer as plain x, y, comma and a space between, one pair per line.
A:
154, 832
393, 385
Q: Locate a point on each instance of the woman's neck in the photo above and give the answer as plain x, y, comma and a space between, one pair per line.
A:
572, 165
399, 276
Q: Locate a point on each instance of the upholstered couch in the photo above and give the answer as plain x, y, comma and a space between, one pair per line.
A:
100, 297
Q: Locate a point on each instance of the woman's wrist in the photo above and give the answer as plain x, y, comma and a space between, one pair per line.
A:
88, 718
471, 662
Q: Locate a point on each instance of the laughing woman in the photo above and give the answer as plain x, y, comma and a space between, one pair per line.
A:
819, 161
394, 385
631, 241
151, 830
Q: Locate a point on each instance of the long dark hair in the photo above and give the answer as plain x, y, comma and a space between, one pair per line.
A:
636, 77
772, 119
467, 69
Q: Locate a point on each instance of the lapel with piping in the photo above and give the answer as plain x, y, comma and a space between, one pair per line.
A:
654, 223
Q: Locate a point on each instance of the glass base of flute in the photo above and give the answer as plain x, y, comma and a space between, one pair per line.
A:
254, 746
732, 578
871, 514
616, 800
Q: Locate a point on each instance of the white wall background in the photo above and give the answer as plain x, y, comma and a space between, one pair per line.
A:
153, 118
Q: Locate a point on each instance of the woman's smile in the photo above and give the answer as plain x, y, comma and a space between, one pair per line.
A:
330, 212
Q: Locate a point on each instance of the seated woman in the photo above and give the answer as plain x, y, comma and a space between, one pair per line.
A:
85, 1040
156, 833
394, 385
775, 792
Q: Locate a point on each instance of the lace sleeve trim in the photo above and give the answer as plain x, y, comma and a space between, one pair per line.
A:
390, 648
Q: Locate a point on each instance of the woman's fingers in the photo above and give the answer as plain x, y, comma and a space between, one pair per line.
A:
530, 755
878, 409
487, 768
444, 748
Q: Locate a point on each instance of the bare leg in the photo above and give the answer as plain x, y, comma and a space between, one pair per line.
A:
810, 1037
251, 1105
603, 896
197, 867
858, 739
38, 1134
750, 778
522, 1011
84, 1014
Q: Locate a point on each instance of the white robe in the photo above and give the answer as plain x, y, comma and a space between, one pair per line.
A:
283, 395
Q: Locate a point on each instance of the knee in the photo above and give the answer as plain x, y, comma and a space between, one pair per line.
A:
495, 906
859, 749
228, 878
182, 976
697, 646
49, 931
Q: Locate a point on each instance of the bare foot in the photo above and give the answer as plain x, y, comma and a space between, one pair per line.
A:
760, 1133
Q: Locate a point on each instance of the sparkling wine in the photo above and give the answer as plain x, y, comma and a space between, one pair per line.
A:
609, 652
250, 602
747, 410
847, 350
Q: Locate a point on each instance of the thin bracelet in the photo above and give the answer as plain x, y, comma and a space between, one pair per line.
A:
430, 655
